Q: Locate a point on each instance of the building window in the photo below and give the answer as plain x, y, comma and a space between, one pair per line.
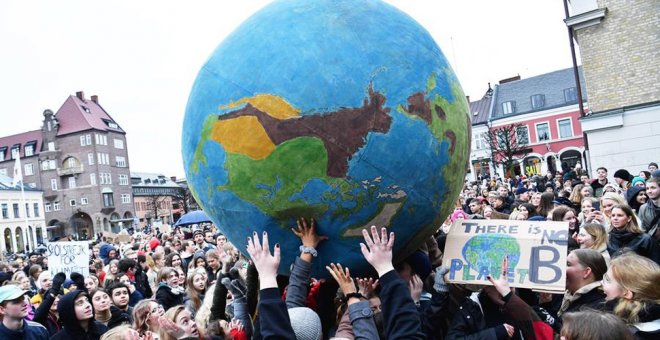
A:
119, 144
103, 158
82, 141
538, 101
57, 206
53, 184
92, 179
2, 154
481, 141
16, 210
88, 139
565, 128
121, 161
522, 134
101, 139
107, 200
72, 182
542, 132
90, 158
27, 209
28, 169
72, 203
125, 198
570, 95
5, 211
51, 146
36, 209
509, 107
71, 162
84, 201
14, 153
123, 179
105, 178
48, 165
47, 207
29, 150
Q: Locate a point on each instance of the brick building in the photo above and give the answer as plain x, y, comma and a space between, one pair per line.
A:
620, 53
79, 158
157, 198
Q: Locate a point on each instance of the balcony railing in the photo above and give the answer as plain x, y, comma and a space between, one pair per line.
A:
74, 170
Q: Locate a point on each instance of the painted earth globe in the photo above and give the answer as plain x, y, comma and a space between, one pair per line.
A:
339, 110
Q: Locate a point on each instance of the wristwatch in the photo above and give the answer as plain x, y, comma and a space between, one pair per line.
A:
353, 295
308, 250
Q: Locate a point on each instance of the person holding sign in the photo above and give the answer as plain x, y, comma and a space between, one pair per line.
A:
498, 314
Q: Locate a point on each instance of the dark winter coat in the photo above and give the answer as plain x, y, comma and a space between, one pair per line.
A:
642, 244
72, 329
168, 298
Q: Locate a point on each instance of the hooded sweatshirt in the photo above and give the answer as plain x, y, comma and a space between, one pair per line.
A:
72, 329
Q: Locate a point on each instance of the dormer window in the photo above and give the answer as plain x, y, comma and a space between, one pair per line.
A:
570, 95
86, 109
538, 101
113, 125
509, 107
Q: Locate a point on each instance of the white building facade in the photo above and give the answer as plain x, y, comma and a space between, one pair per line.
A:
22, 221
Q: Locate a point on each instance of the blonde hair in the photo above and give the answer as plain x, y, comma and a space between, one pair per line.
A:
116, 333
576, 194
171, 315
640, 276
598, 233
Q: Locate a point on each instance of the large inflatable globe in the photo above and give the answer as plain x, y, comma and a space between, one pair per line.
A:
341, 110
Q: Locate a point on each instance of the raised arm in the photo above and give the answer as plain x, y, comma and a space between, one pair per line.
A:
400, 315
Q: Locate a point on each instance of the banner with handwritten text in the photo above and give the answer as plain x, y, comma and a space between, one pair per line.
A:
68, 257
536, 252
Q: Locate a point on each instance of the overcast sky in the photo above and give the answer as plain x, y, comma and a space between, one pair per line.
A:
141, 57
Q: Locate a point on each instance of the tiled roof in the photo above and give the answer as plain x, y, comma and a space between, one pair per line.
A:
21, 139
5, 184
550, 85
479, 109
143, 179
78, 114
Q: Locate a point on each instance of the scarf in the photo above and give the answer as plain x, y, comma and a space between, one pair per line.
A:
622, 236
570, 298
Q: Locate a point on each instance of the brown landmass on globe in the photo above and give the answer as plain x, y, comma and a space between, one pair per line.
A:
343, 132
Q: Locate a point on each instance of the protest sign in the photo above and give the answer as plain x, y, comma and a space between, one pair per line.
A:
68, 257
536, 252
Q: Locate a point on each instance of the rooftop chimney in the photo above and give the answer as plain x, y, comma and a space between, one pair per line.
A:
508, 80
468, 99
173, 178
95, 99
80, 95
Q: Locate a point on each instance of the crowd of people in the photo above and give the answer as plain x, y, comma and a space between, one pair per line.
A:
191, 283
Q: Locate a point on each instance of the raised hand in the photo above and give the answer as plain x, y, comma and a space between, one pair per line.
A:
416, 285
342, 277
366, 287
171, 328
307, 233
265, 263
378, 249
502, 284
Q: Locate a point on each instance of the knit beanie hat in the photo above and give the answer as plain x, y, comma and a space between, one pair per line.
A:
42, 276
637, 180
306, 323
154, 243
623, 174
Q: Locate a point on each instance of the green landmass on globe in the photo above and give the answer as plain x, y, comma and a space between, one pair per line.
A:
351, 116
485, 252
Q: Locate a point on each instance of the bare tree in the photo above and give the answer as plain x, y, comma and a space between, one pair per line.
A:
156, 204
508, 143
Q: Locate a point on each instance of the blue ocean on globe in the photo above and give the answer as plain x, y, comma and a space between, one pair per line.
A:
344, 111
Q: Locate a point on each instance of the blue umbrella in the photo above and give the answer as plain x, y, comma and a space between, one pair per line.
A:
193, 217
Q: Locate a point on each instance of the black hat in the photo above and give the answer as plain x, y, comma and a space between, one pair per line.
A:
623, 174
